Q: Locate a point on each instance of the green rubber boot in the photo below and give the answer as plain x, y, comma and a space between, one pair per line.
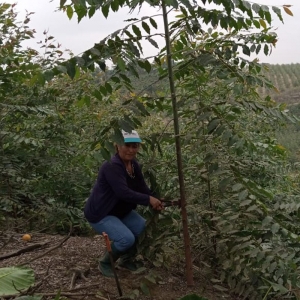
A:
105, 266
127, 260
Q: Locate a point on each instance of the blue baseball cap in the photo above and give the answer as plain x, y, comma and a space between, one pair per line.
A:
131, 137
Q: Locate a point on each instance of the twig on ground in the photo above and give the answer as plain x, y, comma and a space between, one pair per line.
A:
78, 273
72, 294
46, 252
61, 294
51, 249
20, 251
85, 287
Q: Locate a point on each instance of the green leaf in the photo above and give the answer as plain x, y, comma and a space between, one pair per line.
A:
105, 10
263, 23
245, 202
146, 27
102, 65
224, 183
279, 287
247, 4
81, 11
150, 278
212, 125
220, 288
125, 78
136, 30
256, 7
95, 51
237, 187
71, 68
147, 66
15, 279
246, 50
256, 24
115, 79
266, 221
97, 94
266, 49
275, 227
70, 12
153, 42
92, 11
277, 12
243, 195
87, 100
121, 63
57, 296
125, 125
153, 23
268, 17
141, 108
61, 69
48, 74
105, 153
114, 5
141, 64
252, 48
145, 289
117, 137
108, 88
103, 90
258, 48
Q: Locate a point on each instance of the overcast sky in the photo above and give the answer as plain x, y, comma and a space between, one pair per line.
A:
82, 36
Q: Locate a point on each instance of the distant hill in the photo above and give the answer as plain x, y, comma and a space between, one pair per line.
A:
286, 78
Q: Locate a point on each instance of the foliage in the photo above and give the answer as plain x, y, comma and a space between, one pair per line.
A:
13, 280
243, 213
16, 68
230, 149
39, 173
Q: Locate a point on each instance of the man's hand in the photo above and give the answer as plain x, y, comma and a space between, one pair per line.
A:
156, 204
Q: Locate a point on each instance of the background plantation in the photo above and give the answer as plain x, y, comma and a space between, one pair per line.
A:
239, 130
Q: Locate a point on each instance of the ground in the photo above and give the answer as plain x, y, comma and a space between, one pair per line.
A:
60, 261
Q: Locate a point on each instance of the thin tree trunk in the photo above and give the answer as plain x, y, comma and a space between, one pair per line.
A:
187, 245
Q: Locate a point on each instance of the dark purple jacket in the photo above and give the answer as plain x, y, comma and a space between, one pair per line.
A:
114, 192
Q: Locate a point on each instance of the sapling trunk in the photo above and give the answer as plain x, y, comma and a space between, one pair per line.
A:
187, 245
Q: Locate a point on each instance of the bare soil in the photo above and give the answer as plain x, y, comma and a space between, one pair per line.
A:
70, 265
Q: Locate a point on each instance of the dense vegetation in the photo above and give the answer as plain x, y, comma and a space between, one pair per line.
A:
59, 120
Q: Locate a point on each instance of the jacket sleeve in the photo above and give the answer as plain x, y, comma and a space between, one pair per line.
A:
115, 177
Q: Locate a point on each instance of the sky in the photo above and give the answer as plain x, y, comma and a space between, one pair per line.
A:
82, 36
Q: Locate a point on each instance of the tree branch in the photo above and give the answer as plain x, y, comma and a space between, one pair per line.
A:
49, 250
24, 250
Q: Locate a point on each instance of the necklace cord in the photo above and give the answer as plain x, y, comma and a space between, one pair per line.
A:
131, 175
